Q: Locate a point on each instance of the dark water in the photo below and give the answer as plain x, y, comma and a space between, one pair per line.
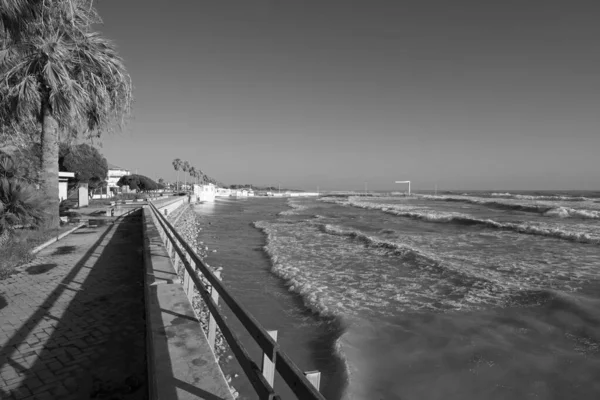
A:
432, 304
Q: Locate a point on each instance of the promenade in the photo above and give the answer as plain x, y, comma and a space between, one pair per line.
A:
72, 322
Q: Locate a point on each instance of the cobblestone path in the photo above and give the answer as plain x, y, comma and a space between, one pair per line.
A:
72, 322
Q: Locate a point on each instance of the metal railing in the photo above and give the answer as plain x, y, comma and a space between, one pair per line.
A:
274, 357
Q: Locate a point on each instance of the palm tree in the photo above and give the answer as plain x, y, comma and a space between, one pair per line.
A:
185, 168
177, 163
201, 176
59, 75
193, 173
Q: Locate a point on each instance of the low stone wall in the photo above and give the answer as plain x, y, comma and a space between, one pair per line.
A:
169, 204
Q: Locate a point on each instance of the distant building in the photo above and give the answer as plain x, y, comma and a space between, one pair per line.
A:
205, 192
223, 192
114, 174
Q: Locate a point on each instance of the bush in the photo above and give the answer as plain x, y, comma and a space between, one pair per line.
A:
20, 203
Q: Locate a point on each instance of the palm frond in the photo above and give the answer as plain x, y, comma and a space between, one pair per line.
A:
77, 72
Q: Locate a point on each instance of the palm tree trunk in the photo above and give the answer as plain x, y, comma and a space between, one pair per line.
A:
177, 183
49, 167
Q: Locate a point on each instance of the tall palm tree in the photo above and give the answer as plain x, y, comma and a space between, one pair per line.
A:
193, 173
185, 168
60, 76
201, 176
177, 163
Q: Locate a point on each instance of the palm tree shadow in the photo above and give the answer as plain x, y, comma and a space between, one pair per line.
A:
40, 268
97, 346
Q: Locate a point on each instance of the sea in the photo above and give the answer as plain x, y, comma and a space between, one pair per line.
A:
466, 295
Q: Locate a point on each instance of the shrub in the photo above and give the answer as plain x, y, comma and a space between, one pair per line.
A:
20, 205
17, 250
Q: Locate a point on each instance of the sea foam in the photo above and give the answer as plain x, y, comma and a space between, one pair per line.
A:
586, 235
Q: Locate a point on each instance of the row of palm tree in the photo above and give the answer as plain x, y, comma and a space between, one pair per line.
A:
60, 79
186, 167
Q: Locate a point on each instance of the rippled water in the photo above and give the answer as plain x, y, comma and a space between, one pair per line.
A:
455, 298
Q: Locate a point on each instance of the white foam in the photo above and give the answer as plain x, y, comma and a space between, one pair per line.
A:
586, 234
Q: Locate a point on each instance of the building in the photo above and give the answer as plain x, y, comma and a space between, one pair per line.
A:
63, 182
223, 192
114, 174
205, 192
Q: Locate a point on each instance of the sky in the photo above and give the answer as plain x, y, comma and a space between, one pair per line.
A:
489, 95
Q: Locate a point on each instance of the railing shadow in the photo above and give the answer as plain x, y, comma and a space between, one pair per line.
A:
97, 348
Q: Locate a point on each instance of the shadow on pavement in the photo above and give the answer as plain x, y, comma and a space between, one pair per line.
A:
40, 269
64, 250
97, 347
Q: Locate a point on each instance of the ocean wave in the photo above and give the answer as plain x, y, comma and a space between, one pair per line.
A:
420, 280
530, 197
295, 208
566, 212
313, 296
548, 208
425, 214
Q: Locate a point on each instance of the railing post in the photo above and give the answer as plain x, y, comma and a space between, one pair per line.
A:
186, 279
190, 283
190, 290
314, 377
212, 324
268, 366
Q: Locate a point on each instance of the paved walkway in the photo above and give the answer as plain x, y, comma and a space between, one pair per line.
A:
72, 322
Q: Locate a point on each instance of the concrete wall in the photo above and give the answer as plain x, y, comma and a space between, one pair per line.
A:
170, 206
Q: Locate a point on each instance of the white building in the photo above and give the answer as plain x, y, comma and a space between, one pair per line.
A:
205, 192
114, 174
222, 192
63, 182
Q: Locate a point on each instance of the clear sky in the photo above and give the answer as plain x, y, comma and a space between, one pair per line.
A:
466, 94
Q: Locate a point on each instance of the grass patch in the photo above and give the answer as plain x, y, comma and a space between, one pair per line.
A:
17, 250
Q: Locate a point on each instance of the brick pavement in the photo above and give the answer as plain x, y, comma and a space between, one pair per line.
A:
72, 322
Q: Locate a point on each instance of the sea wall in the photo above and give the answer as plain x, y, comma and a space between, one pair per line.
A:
181, 363
188, 225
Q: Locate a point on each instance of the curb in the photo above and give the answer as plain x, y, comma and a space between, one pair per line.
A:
56, 239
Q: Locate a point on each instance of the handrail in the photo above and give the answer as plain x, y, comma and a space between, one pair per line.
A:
290, 373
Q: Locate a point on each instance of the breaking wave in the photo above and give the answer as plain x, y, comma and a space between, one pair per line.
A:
425, 214
295, 208
529, 197
546, 208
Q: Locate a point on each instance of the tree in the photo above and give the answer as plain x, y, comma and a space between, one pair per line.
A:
139, 183
177, 164
60, 76
86, 162
192, 173
185, 167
